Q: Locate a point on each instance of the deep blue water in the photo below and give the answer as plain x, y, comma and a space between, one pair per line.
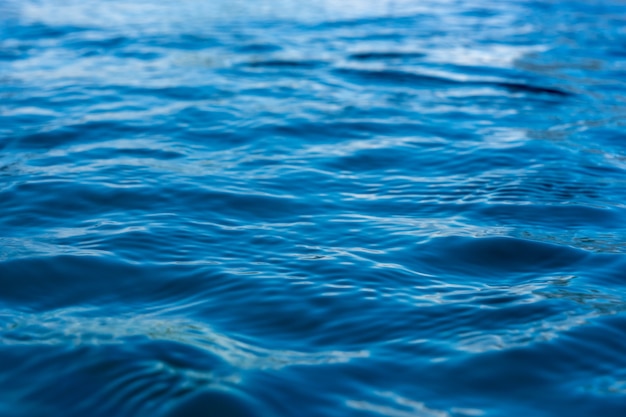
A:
332, 208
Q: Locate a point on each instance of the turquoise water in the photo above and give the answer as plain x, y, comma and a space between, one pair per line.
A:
276, 208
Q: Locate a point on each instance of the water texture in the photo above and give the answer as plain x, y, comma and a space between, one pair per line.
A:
332, 208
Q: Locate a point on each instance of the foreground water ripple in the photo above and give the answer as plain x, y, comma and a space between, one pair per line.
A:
272, 208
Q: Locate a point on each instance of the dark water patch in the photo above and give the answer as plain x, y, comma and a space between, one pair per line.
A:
374, 159
92, 200
97, 44
395, 77
375, 23
179, 92
532, 89
320, 131
572, 216
118, 46
139, 54
183, 41
554, 189
11, 51
41, 31
485, 257
284, 64
259, 48
417, 80
121, 149
218, 402
386, 55
66, 135
62, 280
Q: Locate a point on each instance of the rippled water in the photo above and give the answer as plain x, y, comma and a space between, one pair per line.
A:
343, 208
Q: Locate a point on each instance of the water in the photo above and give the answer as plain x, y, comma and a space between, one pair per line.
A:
276, 208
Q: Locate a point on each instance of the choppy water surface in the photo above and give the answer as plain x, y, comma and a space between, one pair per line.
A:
344, 208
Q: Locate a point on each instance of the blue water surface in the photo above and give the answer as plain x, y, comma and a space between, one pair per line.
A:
329, 208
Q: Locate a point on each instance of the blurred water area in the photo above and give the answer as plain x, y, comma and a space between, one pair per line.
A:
332, 208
